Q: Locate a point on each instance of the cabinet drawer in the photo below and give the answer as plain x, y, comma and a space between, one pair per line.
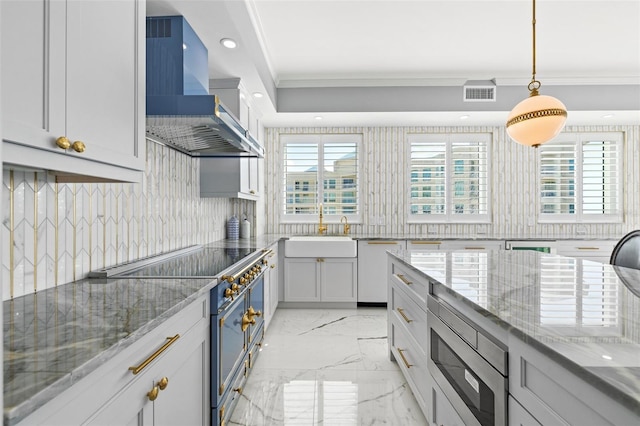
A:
410, 315
411, 359
417, 288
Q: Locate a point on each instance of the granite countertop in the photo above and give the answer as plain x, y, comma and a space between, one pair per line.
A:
583, 314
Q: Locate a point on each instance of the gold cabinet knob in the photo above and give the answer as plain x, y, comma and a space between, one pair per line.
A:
78, 146
239, 390
153, 393
246, 321
253, 312
63, 142
163, 383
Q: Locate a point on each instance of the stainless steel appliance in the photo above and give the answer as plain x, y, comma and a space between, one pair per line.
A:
237, 303
468, 364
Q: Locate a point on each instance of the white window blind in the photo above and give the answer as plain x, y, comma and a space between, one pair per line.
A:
581, 178
449, 177
320, 169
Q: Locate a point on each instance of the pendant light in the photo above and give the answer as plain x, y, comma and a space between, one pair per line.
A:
539, 118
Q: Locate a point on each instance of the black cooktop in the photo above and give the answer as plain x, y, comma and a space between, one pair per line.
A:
200, 263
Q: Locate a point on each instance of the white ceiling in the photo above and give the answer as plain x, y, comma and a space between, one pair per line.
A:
287, 45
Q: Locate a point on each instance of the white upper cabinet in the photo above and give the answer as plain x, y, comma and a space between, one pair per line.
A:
74, 69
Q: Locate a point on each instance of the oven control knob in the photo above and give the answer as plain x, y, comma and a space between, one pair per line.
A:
254, 269
247, 277
234, 287
243, 280
265, 261
259, 268
229, 293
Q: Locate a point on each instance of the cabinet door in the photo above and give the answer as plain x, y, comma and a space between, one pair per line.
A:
518, 416
184, 401
372, 269
33, 69
271, 286
302, 280
103, 85
338, 279
442, 412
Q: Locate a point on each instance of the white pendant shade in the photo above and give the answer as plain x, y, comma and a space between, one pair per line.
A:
536, 120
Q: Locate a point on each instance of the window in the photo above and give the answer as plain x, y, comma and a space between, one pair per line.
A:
581, 178
449, 177
320, 169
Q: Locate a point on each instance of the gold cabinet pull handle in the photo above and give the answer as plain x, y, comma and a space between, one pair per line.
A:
139, 368
401, 352
163, 383
78, 146
63, 142
246, 321
382, 242
403, 279
404, 315
427, 242
588, 248
153, 393
251, 312
474, 248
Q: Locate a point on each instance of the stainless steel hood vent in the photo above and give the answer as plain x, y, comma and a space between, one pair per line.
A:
180, 111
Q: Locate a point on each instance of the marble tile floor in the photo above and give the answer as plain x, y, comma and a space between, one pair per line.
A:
327, 367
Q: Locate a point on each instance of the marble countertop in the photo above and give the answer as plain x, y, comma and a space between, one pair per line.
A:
54, 338
583, 314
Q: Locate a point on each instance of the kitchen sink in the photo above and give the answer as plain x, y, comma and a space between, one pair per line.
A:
320, 246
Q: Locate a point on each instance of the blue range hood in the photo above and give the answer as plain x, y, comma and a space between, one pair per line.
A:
180, 111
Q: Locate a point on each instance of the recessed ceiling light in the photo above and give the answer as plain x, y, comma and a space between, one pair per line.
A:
607, 116
229, 43
464, 117
317, 117
257, 95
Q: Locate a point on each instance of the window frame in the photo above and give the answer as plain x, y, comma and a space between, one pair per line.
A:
450, 169
321, 140
578, 182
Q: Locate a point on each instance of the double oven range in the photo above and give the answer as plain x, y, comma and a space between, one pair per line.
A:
237, 303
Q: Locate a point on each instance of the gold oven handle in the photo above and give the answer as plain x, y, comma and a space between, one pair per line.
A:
139, 368
232, 278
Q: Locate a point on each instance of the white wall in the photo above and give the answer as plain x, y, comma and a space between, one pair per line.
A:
514, 187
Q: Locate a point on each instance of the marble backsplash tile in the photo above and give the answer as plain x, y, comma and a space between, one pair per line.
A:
57, 233
514, 182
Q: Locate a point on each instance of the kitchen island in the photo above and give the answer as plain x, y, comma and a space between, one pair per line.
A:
570, 327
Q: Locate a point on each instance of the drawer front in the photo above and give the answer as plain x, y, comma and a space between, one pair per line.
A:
417, 288
222, 414
410, 315
411, 359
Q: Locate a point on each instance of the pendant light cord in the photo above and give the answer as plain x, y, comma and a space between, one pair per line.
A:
534, 85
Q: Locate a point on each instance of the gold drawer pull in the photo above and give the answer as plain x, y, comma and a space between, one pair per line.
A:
136, 370
400, 351
404, 280
427, 242
404, 315
588, 248
382, 242
474, 248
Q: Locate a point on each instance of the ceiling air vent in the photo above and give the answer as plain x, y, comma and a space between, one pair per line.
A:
479, 91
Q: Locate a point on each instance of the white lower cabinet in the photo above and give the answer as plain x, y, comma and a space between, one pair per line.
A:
442, 411
518, 416
170, 388
596, 250
271, 285
320, 279
372, 269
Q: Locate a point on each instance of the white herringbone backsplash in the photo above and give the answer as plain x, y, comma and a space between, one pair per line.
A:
57, 233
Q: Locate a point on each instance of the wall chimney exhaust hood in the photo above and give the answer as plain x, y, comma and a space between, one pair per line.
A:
180, 111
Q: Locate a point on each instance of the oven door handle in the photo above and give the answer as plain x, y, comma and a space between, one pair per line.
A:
232, 278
